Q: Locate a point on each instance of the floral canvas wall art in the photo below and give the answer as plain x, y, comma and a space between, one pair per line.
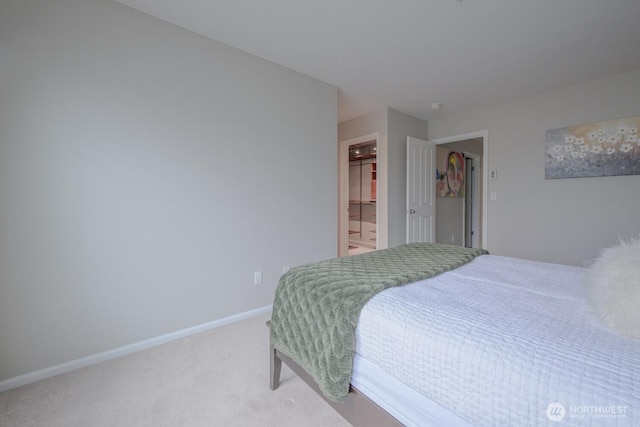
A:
595, 149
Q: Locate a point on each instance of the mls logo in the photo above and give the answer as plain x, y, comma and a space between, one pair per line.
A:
555, 412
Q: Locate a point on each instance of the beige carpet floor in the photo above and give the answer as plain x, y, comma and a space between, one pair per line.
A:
216, 378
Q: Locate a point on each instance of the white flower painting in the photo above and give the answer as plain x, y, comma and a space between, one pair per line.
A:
594, 149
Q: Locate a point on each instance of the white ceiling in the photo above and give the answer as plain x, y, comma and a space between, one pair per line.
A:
408, 54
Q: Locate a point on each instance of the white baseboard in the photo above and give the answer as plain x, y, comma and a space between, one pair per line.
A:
122, 351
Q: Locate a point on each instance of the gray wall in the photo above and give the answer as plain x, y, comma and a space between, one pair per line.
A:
566, 220
473, 146
449, 220
364, 125
145, 174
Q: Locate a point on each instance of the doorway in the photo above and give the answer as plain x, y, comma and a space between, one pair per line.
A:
362, 195
463, 221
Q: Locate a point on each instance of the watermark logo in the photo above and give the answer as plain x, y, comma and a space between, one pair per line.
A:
556, 411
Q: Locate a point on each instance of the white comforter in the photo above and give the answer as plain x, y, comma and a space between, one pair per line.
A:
500, 339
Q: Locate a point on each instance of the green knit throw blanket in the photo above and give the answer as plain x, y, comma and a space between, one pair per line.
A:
317, 306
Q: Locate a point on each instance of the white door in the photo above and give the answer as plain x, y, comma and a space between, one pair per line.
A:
421, 197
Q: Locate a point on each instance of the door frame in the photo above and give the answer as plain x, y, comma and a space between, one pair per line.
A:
484, 134
343, 191
475, 211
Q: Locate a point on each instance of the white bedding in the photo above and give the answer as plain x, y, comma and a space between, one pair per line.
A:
406, 405
498, 340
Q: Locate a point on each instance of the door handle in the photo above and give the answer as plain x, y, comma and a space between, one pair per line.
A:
411, 211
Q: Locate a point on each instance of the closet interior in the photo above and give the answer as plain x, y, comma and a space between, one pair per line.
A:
362, 197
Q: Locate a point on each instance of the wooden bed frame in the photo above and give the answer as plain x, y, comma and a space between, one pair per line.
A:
357, 409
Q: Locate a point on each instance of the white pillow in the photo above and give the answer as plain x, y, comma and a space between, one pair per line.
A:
613, 286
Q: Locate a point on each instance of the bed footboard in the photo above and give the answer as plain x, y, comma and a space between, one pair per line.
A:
357, 408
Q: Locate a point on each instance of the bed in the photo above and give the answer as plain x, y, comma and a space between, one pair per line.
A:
491, 341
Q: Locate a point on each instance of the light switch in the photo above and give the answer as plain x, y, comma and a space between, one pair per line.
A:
493, 195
